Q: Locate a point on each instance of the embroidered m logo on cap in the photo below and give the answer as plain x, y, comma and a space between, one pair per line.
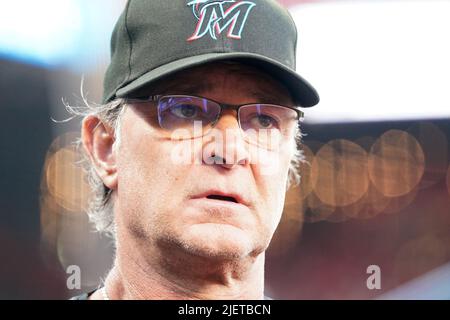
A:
215, 16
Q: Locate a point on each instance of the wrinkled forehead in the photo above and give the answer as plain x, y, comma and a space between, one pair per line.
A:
209, 77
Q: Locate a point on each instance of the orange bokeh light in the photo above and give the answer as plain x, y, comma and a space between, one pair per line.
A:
396, 163
342, 176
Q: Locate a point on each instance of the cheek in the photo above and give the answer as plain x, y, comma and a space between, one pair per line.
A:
145, 175
150, 191
272, 174
272, 167
145, 169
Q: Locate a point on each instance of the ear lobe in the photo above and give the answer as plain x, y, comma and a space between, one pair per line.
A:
98, 141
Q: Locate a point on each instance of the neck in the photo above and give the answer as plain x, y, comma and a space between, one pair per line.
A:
171, 273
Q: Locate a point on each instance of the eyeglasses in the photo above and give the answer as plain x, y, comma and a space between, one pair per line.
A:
262, 123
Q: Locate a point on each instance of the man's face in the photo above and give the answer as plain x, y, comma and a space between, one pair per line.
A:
162, 202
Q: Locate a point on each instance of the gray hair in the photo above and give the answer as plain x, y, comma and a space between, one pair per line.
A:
100, 208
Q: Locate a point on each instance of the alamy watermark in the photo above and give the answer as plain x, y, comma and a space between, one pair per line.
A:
374, 280
263, 147
73, 281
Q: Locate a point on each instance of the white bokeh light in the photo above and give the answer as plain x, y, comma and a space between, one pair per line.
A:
73, 33
375, 60
45, 31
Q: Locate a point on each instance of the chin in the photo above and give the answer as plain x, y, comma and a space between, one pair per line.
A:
219, 241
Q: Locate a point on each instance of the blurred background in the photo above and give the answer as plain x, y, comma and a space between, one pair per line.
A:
375, 189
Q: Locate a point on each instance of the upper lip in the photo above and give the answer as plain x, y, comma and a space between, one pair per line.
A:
238, 197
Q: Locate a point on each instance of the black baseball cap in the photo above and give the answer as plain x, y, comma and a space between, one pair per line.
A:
156, 38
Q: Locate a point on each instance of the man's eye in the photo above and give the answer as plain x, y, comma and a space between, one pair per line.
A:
263, 121
185, 111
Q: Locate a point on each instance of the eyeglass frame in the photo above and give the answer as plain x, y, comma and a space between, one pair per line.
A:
158, 97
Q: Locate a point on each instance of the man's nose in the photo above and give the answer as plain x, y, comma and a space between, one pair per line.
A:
226, 145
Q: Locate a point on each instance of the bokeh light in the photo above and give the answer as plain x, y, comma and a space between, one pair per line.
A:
434, 144
380, 52
365, 142
342, 173
63, 188
370, 176
370, 205
399, 203
65, 228
316, 210
49, 221
396, 163
65, 180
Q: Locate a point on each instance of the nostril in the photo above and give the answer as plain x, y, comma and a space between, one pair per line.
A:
217, 159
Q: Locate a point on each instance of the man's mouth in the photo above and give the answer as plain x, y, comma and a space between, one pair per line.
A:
220, 204
223, 198
226, 196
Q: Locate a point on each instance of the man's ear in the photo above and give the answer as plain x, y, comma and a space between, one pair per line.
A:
98, 141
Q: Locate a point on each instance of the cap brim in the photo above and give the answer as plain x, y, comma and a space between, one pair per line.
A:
302, 92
